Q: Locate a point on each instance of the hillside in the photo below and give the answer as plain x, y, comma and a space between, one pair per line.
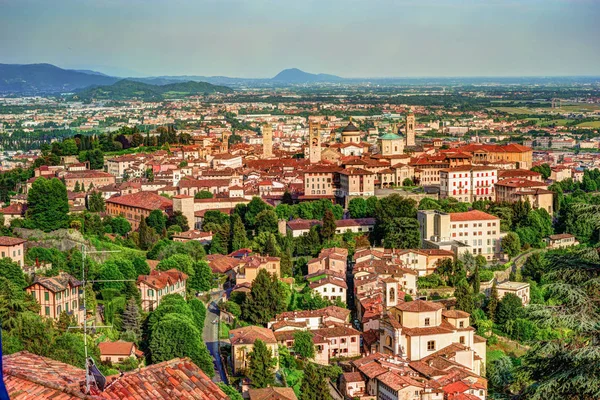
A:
47, 78
128, 89
294, 75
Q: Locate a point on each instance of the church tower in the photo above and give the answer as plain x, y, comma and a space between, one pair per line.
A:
314, 142
225, 142
267, 134
410, 129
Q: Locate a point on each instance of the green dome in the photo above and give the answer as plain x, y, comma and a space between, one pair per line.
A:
390, 136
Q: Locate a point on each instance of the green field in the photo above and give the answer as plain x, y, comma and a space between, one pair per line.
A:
590, 124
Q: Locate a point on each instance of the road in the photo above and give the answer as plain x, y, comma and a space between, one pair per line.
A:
211, 337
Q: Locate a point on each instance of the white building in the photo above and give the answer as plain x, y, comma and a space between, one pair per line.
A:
468, 183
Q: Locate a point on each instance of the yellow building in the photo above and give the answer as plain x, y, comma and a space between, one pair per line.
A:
242, 343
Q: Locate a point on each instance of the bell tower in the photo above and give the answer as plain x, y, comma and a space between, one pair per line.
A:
267, 134
225, 142
314, 142
410, 129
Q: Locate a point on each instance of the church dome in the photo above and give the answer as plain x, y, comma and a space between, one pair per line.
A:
350, 128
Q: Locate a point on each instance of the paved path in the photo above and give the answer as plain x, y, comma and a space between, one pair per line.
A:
211, 337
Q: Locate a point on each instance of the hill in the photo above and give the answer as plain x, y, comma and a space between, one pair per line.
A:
47, 78
294, 75
128, 89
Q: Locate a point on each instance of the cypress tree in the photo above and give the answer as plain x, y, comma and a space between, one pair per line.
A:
238, 233
329, 227
261, 366
493, 303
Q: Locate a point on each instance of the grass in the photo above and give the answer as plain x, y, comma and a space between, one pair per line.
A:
316, 278
224, 331
509, 348
590, 124
293, 378
493, 355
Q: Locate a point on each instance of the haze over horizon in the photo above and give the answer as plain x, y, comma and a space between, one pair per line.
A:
380, 38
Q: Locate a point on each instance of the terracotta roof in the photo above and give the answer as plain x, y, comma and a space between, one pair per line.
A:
56, 283
419, 305
561, 236
455, 314
10, 241
473, 215
119, 348
161, 279
352, 377
397, 382
144, 200
272, 393
249, 334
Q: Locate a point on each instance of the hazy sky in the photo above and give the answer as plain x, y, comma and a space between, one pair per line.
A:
350, 38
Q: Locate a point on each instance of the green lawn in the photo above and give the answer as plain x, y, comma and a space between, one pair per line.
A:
224, 331
590, 124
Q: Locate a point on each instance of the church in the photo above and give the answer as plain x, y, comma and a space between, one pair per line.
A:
392, 144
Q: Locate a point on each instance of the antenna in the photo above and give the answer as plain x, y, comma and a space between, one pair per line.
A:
93, 376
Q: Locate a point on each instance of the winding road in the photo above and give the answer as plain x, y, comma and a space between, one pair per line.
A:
210, 335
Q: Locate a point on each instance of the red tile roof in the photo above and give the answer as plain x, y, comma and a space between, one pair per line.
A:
161, 279
473, 215
10, 241
144, 200
119, 348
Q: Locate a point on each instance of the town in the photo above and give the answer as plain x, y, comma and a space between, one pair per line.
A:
270, 244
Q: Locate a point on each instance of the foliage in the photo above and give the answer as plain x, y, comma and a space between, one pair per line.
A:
203, 194
304, 345
265, 300
510, 308
48, 205
314, 385
511, 244
261, 365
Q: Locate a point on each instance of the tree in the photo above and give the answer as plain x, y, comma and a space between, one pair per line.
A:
110, 272
407, 182
177, 218
69, 147
176, 335
266, 221
401, 233
493, 302
13, 272
147, 235
511, 244
357, 207
157, 220
96, 202
95, 157
476, 280
132, 319
120, 225
77, 187
261, 365
287, 198
265, 300
328, 229
534, 266
181, 262
150, 174
239, 240
231, 393
464, 297
304, 345
203, 194
314, 385
48, 205
509, 309
202, 279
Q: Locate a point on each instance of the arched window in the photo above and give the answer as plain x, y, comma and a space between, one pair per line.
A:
388, 341
392, 295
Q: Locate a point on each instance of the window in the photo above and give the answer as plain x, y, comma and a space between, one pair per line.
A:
462, 340
461, 324
353, 339
58, 310
426, 321
431, 345
47, 311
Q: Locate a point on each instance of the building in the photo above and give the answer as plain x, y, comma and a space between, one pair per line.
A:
314, 141
272, 393
561, 240
518, 155
248, 268
242, 342
391, 144
536, 193
468, 183
352, 385
356, 182
116, 352
13, 248
87, 180
267, 137
473, 231
136, 206
313, 319
330, 259
299, 227
330, 287
351, 134
319, 180
421, 330
57, 294
409, 129
519, 289
158, 284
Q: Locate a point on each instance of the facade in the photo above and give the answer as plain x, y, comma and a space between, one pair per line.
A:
561, 241
116, 352
267, 136
13, 248
242, 342
88, 180
330, 288
314, 142
136, 206
351, 134
391, 144
356, 182
58, 294
248, 268
409, 129
537, 193
158, 284
319, 181
468, 183
519, 289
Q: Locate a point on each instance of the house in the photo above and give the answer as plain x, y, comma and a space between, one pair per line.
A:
136, 206
356, 182
473, 231
468, 183
537, 193
248, 268
194, 234
394, 386
272, 393
116, 352
158, 284
519, 289
242, 342
13, 248
12, 211
87, 180
57, 294
29, 376
330, 287
561, 240
352, 385
333, 259
299, 227
313, 319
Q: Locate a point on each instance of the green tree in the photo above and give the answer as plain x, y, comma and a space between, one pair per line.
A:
314, 385
464, 297
48, 205
266, 221
357, 207
13, 272
328, 229
177, 218
511, 244
132, 318
203, 194
181, 262
407, 182
534, 266
231, 393
401, 233
265, 300
509, 309
147, 235
77, 187
69, 147
120, 225
492, 305
202, 279
157, 220
304, 345
110, 272
239, 240
261, 365
96, 202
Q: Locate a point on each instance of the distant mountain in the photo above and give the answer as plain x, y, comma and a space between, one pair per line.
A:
47, 78
89, 72
294, 75
128, 89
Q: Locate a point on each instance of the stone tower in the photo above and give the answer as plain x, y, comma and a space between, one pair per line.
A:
314, 142
390, 287
267, 134
185, 204
410, 129
225, 142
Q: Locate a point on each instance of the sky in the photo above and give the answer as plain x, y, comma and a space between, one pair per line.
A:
349, 38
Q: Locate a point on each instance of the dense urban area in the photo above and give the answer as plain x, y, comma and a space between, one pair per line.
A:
410, 240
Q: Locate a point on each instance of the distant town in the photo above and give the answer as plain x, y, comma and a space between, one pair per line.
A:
300, 240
